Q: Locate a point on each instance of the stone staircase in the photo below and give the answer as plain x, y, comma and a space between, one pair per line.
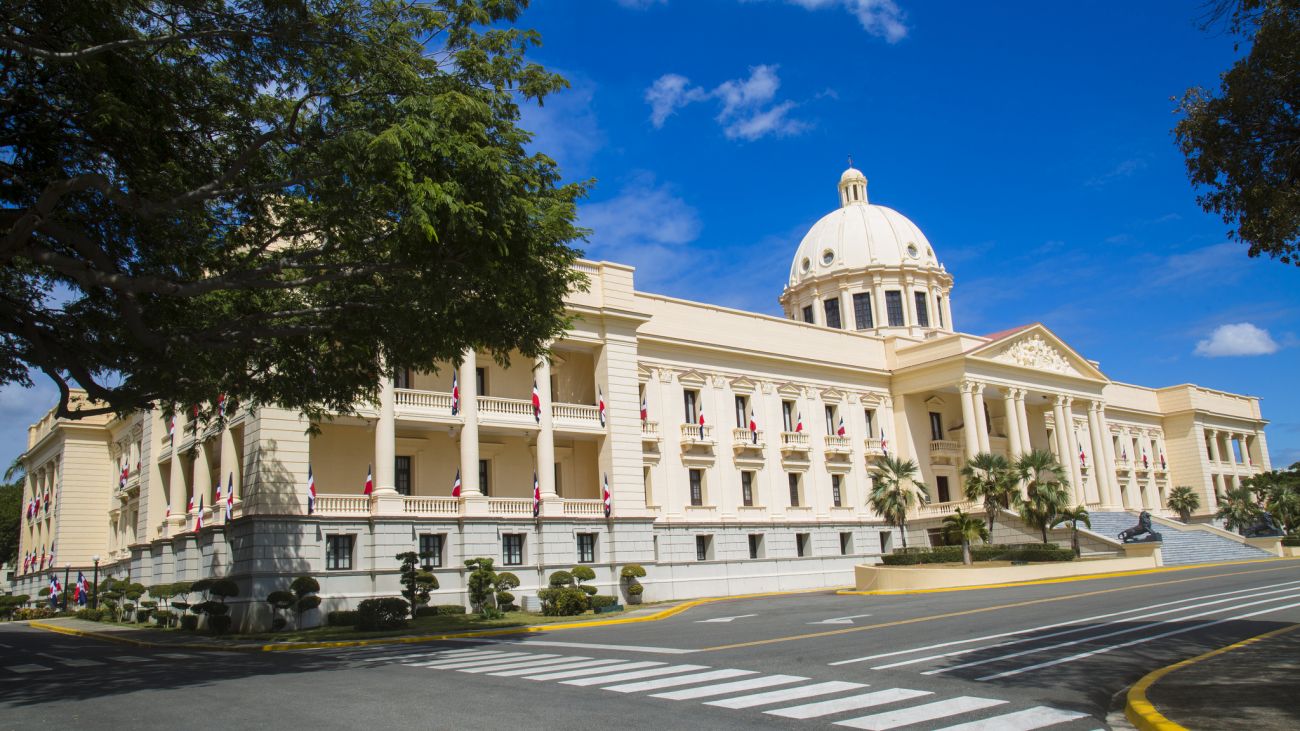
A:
1182, 544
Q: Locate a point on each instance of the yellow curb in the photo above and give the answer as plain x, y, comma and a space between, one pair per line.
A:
282, 646
1143, 714
1059, 580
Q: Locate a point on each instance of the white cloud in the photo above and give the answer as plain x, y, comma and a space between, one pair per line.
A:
1222, 262
1123, 169
880, 18
669, 93
639, 4
566, 128
646, 225
773, 121
1241, 338
746, 110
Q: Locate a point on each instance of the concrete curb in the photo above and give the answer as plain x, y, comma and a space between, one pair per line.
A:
415, 639
1058, 580
1142, 713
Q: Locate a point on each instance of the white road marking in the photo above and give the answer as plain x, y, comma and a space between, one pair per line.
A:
80, 662
787, 694
387, 655
1104, 635
635, 675
1140, 640
841, 620
574, 663
920, 714
851, 703
463, 661
1049, 626
1026, 720
765, 681
595, 646
724, 619
132, 658
536, 661
593, 670
679, 680
28, 668
176, 656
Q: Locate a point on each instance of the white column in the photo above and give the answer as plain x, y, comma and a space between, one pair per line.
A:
1013, 422
469, 486
386, 439
1108, 447
546, 432
202, 474
947, 312
1059, 426
1079, 492
230, 467
176, 485
981, 417
969, 432
909, 303
1022, 418
1100, 476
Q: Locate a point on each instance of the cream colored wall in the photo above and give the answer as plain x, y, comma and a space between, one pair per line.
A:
86, 487
340, 455
276, 455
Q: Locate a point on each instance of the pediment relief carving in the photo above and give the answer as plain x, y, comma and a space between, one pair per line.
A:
1035, 352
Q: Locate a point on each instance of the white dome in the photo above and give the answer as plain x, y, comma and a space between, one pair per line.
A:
852, 174
860, 236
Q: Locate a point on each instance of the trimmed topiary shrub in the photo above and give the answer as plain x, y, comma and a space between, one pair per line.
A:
449, 609
220, 623
342, 618
90, 615
600, 601
190, 622
380, 614
561, 578
636, 589
563, 601
164, 617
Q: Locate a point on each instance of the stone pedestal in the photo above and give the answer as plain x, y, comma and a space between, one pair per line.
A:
1143, 550
1272, 544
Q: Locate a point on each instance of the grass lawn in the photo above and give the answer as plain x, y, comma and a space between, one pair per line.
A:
422, 626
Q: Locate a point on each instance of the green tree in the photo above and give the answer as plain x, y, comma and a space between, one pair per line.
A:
416, 582
1238, 508
896, 488
1184, 501
1045, 486
11, 518
1074, 516
200, 198
1279, 491
1242, 143
967, 528
990, 478
481, 585
304, 589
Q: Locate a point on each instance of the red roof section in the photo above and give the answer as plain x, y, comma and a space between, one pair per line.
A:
1006, 333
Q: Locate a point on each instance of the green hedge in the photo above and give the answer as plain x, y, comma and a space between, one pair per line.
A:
1031, 552
601, 600
384, 613
439, 610
91, 615
342, 618
1291, 541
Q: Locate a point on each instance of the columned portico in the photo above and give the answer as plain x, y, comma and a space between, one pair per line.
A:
1013, 422
1102, 467
969, 432
468, 378
981, 417
545, 436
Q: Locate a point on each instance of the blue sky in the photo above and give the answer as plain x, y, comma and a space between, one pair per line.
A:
1030, 141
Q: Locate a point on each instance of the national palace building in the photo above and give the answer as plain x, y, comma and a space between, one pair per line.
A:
867, 360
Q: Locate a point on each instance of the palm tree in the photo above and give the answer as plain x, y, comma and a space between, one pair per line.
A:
1074, 516
1279, 491
896, 488
991, 478
968, 528
1046, 487
1185, 501
1238, 509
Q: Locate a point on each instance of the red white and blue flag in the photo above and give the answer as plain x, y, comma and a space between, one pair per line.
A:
455, 485
537, 403
1162, 460
311, 491
221, 405
27, 561
80, 593
840, 431
884, 443
645, 410
600, 405
47, 501
455, 394
753, 426
121, 480
230, 497
608, 498
171, 426
1144, 459
701, 418
189, 505
370, 481
798, 423
216, 499
198, 517
1083, 457
537, 496
55, 590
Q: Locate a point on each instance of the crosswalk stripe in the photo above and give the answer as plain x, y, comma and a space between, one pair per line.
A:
679, 680
574, 663
921, 713
532, 661
766, 681
132, 658
176, 656
461, 662
635, 675
851, 703
1026, 720
28, 668
388, 656
593, 671
80, 662
786, 694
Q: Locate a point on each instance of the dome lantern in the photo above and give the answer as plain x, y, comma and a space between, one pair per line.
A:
853, 187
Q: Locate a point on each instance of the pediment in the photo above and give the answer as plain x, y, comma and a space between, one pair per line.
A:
790, 389
1037, 348
833, 396
693, 378
743, 385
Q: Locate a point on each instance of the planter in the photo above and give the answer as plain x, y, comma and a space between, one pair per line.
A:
609, 608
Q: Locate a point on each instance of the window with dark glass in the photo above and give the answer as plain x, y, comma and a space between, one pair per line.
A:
338, 552
802, 544
586, 548
808, 314
484, 485
402, 475
697, 487
747, 489
755, 545
862, 311
938, 310
936, 426
922, 310
431, 550
941, 484
742, 412
690, 404
703, 547
830, 420
402, 378
512, 549
837, 490
787, 415
794, 489
846, 543
480, 381
894, 307
832, 308
871, 422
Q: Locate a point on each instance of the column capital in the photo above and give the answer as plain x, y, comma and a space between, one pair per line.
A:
1063, 400
969, 386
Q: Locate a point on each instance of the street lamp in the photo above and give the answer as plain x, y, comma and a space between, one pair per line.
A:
67, 569
95, 602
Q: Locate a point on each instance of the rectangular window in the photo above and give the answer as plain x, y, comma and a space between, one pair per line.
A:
512, 549
649, 488
402, 475
431, 550
703, 548
837, 490
787, 415
922, 310
559, 487
402, 378
793, 477
871, 422
894, 307
936, 426
832, 307
338, 552
886, 541
484, 485
846, 543
830, 419
938, 310
862, 310
742, 412
755, 545
747, 489
808, 314
586, 548
941, 483
690, 404
803, 544
697, 487
480, 381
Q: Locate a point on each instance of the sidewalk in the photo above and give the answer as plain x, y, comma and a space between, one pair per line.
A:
1255, 686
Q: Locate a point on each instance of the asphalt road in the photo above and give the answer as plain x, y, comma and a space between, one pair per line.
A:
1045, 656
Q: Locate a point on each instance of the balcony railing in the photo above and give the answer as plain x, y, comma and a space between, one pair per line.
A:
343, 505
431, 505
838, 445
930, 510
506, 407
579, 415
873, 446
649, 431
584, 508
513, 506
423, 400
742, 439
945, 446
792, 441
693, 434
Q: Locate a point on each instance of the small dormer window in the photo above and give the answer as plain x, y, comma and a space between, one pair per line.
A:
828, 257
805, 265
912, 250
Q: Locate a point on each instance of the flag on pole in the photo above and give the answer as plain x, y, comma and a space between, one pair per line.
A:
47, 501
311, 491
370, 481
52, 544
27, 561
798, 423
171, 426
701, 418
80, 593
221, 405
230, 497
537, 403
167, 514
609, 499
216, 499
645, 410
1162, 460
600, 405
1144, 459
455, 485
189, 505
537, 496
198, 517
455, 394
55, 590
884, 443
753, 426
840, 431
1083, 457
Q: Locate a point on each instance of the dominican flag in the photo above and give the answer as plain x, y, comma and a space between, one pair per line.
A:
189, 505
455, 486
311, 492
1162, 460
455, 394
171, 426
216, 500
645, 410
798, 423
31, 508
753, 426
1083, 458
884, 443
609, 499
537, 496
47, 501
600, 405
55, 590
79, 593
126, 472
537, 403
840, 432
230, 496
27, 561
198, 517
1144, 459
221, 405
701, 418
370, 481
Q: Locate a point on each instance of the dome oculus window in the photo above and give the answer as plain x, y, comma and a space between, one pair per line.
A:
828, 257
911, 250
805, 265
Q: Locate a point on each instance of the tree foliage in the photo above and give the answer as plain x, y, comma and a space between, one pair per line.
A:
1279, 492
1184, 501
966, 528
1045, 487
11, 516
1242, 142
991, 479
896, 488
416, 582
265, 198
1074, 516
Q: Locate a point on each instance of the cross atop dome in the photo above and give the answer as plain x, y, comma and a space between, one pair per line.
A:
853, 187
